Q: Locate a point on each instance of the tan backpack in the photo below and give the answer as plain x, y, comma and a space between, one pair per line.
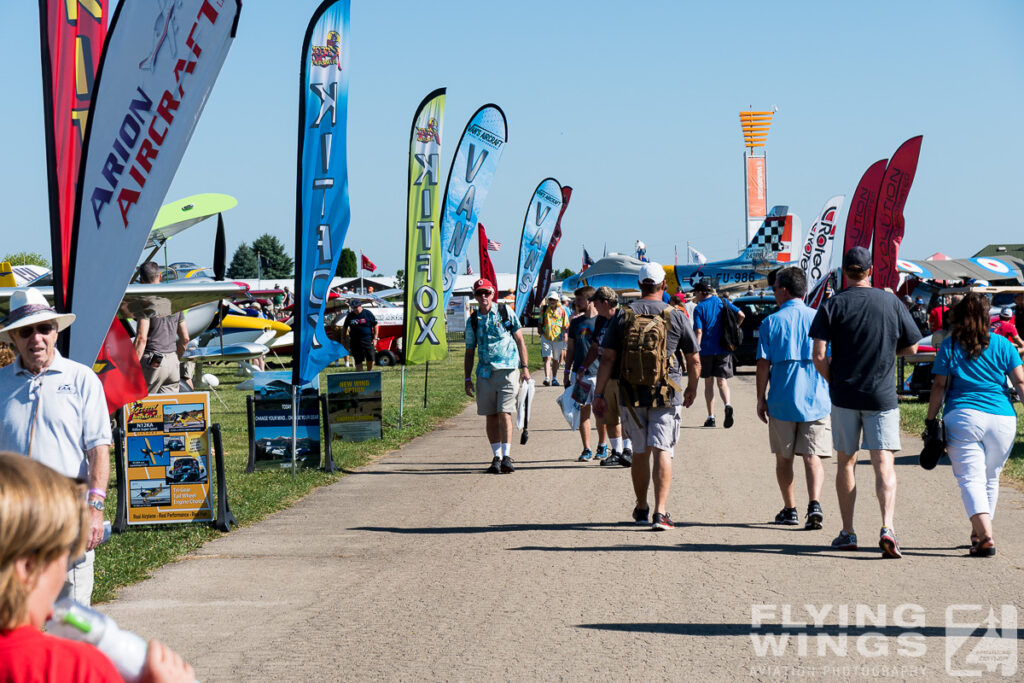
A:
645, 361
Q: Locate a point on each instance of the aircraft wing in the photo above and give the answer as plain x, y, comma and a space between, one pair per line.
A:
161, 299
978, 268
184, 213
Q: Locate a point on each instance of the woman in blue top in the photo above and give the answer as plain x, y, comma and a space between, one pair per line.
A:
980, 422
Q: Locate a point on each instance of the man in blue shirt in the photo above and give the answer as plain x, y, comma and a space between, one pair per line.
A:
715, 362
495, 329
797, 406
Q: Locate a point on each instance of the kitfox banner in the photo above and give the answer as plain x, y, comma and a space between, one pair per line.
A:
156, 73
473, 166
71, 40
892, 197
816, 256
538, 226
322, 205
425, 337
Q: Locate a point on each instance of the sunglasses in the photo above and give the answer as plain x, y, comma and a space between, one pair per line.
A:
42, 328
483, 292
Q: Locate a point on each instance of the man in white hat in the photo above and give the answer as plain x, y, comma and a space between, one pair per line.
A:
53, 410
553, 327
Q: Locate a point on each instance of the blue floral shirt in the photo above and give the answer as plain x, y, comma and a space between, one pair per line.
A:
497, 348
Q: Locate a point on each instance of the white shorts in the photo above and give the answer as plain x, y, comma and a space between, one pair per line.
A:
551, 348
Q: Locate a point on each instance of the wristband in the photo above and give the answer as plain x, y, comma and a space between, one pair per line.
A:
598, 395
469, 379
523, 367
98, 493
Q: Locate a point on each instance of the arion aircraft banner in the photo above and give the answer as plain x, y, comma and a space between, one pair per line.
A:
473, 166
156, 73
425, 337
322, 202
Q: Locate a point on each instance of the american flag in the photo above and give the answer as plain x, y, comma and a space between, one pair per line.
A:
493, 245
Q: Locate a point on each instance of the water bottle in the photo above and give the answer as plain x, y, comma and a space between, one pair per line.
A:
125, 650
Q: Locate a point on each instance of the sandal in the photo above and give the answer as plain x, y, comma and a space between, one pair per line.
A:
983, 548
974, 539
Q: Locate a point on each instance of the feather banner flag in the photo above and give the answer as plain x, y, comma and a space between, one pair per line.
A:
538, 226
71, 40
322, 211
425, 338
544, 276
149, 94
486, 267
889, 226
473, 166
860, 219
816, 256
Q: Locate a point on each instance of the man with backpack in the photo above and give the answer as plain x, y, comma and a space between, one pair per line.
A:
495, 329
709, 322
642, 344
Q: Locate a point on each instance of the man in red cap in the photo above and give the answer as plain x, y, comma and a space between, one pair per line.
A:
496, 330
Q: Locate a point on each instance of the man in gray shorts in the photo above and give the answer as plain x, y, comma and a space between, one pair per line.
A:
495, 329
653, 427
715, 362
867, 329
796, 406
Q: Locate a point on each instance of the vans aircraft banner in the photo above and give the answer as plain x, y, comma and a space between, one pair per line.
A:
816, 257
321, 197
473, 166
425, 337
538, 226
892, 197
156, 73
544, 276
71, 39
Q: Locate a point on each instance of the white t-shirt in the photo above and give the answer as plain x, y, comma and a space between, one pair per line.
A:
67, 405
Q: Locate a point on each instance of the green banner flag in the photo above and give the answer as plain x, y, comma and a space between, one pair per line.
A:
425, 337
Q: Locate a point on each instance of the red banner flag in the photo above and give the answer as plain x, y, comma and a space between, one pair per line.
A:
860, 219
71, 40
118, 368
889, 226
486, 269
368, 264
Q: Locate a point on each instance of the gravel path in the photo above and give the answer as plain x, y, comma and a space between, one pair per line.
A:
421, 567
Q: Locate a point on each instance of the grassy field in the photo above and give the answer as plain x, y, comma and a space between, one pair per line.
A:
130, 557
913, 413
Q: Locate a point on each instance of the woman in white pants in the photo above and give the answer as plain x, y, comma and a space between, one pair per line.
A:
980, 421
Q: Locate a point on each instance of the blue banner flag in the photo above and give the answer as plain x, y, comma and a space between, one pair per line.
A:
538, 226
321, 207
476, 158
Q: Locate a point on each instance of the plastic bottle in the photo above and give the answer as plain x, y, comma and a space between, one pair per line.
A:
124, 649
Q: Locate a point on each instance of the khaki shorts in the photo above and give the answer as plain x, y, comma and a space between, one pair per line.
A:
658, 428
612, 416
497, 393
800, 438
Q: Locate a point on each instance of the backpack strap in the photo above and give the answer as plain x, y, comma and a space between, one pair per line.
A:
474, 322
503, 312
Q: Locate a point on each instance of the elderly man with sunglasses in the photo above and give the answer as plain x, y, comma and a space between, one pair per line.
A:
53, 410
496, 331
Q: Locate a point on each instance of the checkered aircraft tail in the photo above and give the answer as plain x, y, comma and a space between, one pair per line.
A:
773, 242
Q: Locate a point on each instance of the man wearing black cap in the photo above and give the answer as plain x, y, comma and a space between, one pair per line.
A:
867, 328
360, 335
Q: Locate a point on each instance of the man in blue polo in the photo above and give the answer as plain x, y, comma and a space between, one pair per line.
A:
797, 404
715, 362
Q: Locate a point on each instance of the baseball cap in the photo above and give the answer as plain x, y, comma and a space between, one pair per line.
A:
651, 273
553, 296
1006, 313
857, 258
703, 285
481, 284
919, 300
605, 294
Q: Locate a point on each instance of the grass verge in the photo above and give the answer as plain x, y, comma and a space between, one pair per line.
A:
130, 557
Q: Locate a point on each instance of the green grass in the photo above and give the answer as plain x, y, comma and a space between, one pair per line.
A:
130, 557
912, 416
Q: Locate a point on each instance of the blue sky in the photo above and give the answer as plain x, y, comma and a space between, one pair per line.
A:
635, 105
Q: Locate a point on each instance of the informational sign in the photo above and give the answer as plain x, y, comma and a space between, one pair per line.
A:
168, 459
354, 406
272, 407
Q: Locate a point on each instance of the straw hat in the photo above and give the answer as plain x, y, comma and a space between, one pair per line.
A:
29, 307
